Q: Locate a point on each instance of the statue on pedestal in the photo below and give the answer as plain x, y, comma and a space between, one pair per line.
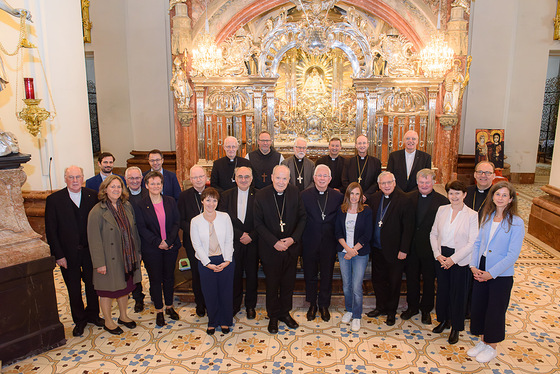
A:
180, 85
453, 82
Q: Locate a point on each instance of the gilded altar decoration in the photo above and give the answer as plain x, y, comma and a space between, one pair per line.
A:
557, 22
462, 4
33, 115
86, 22
181, 28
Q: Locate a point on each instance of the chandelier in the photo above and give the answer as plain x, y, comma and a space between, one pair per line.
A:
207, 56
437, 57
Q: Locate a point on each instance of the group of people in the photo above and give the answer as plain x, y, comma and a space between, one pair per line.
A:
264, 208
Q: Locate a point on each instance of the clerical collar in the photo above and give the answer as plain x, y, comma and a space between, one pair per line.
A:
137, 192
321, 192
362, 158
386, 196
279, 193
334, 159
482, 191
299, 159
231, 159
427, 194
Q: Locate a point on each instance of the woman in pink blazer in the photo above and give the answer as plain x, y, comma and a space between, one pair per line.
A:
452, 238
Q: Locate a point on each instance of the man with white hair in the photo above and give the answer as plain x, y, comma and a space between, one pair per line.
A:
301, 168
319, 241
222, 177
405, 163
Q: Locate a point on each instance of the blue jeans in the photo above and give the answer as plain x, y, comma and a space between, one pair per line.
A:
352, 272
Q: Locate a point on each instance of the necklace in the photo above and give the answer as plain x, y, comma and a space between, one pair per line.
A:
360, 172
200, 208
280, 214
383, 212
474, 201
299, 178
324, 207
233, 174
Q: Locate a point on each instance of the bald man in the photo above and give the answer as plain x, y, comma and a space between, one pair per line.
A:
405, 163
222, 177
362, 168
301, 168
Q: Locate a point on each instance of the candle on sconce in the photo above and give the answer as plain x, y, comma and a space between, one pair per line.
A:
29, 89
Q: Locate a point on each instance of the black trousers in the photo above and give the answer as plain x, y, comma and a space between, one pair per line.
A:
246, 261
137, 293
386, 278
280, 271
417, 268
197, 290
160, 265
318, 262
490, 301
218, 291
451, 301
78, 271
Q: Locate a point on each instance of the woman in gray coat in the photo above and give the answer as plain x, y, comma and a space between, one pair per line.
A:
114, 245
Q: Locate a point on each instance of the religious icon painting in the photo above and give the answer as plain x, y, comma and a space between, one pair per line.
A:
489, 146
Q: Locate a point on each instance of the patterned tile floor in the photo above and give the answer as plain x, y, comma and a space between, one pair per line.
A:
531, 345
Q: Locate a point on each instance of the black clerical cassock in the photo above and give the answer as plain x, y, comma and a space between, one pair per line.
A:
222, 177
278, 217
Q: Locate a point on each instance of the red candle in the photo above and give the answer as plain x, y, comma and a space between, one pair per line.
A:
29, 89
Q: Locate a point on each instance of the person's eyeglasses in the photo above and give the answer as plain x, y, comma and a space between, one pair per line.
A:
155, 160
198, 177
243, 176
386, 183
134, 178
301, 148
265, 140
72, 177
487, 173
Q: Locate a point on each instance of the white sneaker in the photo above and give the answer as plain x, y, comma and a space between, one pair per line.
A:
474, 351
487, 354
356, 324
347, 317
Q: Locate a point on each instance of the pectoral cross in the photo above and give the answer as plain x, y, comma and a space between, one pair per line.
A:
232, 180
282, 224
299, 179
380, 223
359, 179
323, 216
264, 177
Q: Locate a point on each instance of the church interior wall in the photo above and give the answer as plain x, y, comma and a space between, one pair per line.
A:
511, 41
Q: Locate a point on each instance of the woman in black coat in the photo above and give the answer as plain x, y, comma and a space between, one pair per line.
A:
157, 218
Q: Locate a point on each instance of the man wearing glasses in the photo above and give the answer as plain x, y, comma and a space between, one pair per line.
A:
222, 177
301, 168
171, 185
133, 177
476, 194
263, 160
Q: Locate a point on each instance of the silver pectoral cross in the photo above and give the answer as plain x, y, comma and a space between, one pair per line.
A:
300, 179
232, 180
282, 224
380, 223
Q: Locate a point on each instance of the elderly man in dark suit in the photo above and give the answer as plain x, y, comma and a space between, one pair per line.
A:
66, 214
239, 202
222, 177
319, 241
105, 161
279, 221
301, 168
362, 168
405, 163
171, 186
392, 234
419, 263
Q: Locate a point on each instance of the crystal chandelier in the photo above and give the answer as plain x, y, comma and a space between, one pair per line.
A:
437, 57
207, 56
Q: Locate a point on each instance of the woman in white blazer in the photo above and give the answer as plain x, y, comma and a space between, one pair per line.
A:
495, 252
452, 237
212, 240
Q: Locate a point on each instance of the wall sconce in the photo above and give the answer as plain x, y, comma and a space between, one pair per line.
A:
32, 114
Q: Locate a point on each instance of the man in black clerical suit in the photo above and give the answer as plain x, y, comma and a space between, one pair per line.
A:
392, 234
263, 160
477, 194
190, 206
279, 221
405, 163
66, 214
301, 168
239, 202
420, 261
222, 177
335, 162
319, 242
133, 177
362, 168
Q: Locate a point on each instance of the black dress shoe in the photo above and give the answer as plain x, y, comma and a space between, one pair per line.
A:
172, 313
375, 313
200, 311
210, 330
225, 330
453, 336
99, 322
138, 306
160, 321
251, 314
442, 326
408, 314
289, 321
116, 331
311, 312
324, 312
273, 326
129, 324
390, 320
79, 328
426, 318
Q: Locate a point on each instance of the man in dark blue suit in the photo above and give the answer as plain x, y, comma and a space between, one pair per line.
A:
171, 186
105, 161
319, 241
